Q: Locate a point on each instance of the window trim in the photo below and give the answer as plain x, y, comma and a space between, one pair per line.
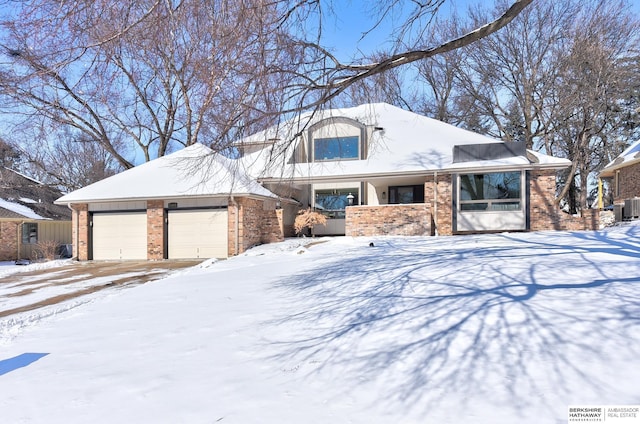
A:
520, 200
419, 188
356, 157
27, 231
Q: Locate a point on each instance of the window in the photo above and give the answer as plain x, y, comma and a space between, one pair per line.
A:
617, 184
498, 191
332, 203
29, 233
336, 148
406, 194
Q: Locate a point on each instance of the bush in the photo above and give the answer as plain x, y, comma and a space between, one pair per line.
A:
308, 219
46, 250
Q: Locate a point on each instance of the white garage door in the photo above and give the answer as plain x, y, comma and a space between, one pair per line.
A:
120, 235
198, 234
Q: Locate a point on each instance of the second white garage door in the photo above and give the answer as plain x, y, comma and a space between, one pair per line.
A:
196, 234
120, 235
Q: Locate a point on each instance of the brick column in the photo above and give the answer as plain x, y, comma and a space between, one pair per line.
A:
80, 231
443, 220
155, 230
10, 235
233, 214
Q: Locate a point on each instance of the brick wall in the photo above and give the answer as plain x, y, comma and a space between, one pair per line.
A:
9, 233
80, 231
545, 213
629, 183
155, 230
397, 220
443, 218
259, 222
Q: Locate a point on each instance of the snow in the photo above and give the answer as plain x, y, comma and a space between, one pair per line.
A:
19, 209
9, 267
628, 157
195, 171
406, 143
500, 328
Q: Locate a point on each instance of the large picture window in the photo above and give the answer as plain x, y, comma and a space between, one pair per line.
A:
406, 194
498, 191
336, 148
332, 203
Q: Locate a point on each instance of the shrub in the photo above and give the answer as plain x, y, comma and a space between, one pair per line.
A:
46, 250
308, 219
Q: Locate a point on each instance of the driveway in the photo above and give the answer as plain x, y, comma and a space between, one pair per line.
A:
27, 291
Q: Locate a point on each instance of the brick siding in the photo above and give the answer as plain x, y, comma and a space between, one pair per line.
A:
629, 183
392, 220
545, 213
9, 233
259, 222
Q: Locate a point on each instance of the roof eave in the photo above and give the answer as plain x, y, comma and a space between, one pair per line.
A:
609, 172
425, 172
172, 197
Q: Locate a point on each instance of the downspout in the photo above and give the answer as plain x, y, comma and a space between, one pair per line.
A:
435, 201
237, 226
77, 240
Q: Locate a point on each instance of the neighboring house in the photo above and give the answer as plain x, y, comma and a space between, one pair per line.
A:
29, 217
624, 174
372, 170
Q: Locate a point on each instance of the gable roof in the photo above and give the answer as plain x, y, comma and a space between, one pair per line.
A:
401, 142
630, 156
195, 171
22, 197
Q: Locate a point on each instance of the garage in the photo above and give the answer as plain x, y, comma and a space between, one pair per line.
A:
119, 235
194, 234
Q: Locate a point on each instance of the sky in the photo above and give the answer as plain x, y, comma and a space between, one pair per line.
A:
348, 20
490, 329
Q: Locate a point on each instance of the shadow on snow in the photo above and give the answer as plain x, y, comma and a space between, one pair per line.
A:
510, 316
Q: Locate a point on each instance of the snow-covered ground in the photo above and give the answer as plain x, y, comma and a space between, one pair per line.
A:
504, 328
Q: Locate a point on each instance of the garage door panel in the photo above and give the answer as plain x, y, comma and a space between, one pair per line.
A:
197, 234
121, 235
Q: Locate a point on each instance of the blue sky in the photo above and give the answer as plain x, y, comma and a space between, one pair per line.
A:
347, 20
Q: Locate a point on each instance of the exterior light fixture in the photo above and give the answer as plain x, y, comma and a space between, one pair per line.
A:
350, 199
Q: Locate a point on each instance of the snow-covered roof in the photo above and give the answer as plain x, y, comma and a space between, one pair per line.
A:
23, 197
629, 157
16, 210
195, 171
401, 143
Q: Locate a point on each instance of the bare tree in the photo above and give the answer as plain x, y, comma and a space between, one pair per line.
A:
144, 77
595, 76
323, 77
10, 156
154, 73
560, 78
68, 163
